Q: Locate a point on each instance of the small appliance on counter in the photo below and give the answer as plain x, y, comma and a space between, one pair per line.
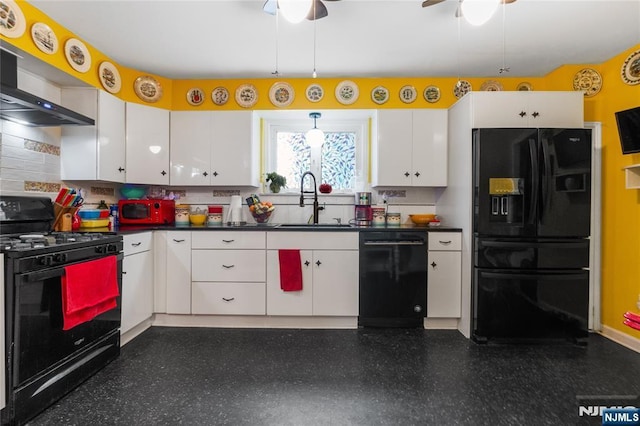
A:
363, 212
147, 212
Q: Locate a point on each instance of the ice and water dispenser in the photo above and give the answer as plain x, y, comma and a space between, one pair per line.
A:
507, 200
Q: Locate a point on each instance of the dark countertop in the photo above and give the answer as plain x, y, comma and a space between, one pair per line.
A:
283, 227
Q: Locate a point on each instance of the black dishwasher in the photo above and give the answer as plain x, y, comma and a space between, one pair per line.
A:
393, 279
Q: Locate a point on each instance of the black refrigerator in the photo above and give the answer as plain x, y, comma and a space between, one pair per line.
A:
531, 222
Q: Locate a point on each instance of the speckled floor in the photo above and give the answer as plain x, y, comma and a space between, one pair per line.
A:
189, 376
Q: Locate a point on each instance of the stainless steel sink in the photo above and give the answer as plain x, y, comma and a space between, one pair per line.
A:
314, 225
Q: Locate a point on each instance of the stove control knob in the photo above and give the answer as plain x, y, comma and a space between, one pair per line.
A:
112, 248
60, 257
101, 249
45, 260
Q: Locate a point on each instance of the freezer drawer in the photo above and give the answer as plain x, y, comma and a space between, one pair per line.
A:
542, 305
507, 253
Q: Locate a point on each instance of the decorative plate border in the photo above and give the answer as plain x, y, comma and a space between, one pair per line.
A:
347, 92
281, 94
77, 55
380, 95
314, 93
461, 88
491, 86
588, 81
195, 96
431, 94
220, 95
246, 95
147, 88
525, 86
408, 94
13, 24
109, 77
630, 72
44, 38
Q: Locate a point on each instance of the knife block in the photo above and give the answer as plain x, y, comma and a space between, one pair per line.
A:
60, 223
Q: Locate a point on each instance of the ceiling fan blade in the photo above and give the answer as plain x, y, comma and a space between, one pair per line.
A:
427, 3
318, 10
270, 6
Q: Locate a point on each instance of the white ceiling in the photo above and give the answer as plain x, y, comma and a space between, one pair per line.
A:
373, 38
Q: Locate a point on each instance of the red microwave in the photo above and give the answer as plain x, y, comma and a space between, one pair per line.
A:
146, 212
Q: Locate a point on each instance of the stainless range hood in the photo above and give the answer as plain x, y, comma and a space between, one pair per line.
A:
21, 107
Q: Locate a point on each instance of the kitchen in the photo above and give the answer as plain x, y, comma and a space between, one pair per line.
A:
616, 259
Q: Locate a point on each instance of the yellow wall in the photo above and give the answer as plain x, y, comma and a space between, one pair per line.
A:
620, 207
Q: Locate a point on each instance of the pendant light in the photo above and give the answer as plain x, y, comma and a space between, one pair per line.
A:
294, 11
478, 12
315, 136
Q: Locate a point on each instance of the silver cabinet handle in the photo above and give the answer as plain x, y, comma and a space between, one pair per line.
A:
228, 266
444, 242
178, 241
136, 244
228, 241
231, 299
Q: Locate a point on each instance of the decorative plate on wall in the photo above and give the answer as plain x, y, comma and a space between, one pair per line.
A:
631, 69
431, 94
12, 22
220, 95
408, 94
314, 93
77, 55
380, 95
44, 38
347, 92
147, 88
524, 87
588, 81
109, 77
491, 86
246, 95
195, 96
281, 94
461, 88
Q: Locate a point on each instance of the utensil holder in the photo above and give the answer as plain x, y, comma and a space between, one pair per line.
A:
59, 211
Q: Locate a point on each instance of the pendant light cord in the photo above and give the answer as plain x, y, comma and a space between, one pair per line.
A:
459, 66
504, 68
276, 73
314, 74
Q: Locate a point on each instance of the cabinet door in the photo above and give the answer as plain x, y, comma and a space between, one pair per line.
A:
191, 136
281, 302
147, 145
500, 109
556, 109
444, 284
179, 272
232, 154
335, 282
430, 143
111, 138
137, 289
395, 140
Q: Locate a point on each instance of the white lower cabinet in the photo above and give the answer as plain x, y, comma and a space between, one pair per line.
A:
444, 276
178, 272
330, 274
137, 280
228, 273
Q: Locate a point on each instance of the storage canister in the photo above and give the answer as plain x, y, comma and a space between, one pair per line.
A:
378, 214
214, 217
182, 214
393, 219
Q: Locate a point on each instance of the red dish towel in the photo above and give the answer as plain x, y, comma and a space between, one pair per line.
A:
88, 289
290, 270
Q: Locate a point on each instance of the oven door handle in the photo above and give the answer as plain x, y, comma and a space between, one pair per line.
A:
54, 272
394, 243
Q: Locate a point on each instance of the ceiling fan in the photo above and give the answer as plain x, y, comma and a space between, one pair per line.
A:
318, 9
427, 3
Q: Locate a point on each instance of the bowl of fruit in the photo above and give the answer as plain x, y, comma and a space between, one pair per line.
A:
261, 211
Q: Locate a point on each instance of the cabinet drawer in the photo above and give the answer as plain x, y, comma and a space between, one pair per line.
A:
136, 243
228, 265
450, 241
228, 298
343, 240
228, 240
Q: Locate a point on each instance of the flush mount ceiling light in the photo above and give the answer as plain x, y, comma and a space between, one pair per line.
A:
478, 12
315, 136
294, 11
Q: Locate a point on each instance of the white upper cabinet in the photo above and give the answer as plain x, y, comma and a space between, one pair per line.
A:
411, 148
147, 147
527, 109
213, 148
94, 152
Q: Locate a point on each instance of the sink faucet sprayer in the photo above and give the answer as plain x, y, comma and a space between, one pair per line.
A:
316, 207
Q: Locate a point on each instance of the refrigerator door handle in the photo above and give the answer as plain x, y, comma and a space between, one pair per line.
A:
535, 179
546, 170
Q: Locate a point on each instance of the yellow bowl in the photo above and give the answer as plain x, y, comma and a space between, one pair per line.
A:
94, 223
197, 219
422, 219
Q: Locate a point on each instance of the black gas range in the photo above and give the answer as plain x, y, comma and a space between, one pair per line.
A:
43, 361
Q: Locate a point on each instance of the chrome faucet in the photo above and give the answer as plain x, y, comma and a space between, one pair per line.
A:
316, 207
